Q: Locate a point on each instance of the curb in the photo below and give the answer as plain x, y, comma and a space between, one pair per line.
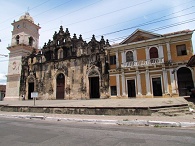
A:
114, 122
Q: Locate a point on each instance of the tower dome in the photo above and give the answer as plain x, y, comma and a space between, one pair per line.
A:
27, 16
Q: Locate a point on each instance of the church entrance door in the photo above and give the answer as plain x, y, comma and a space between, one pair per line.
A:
60, 82
30, 89
94, 87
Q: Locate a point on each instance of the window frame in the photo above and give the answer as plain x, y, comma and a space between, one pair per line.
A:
153, 53
180, 48
113, 60
130, 57
113, 92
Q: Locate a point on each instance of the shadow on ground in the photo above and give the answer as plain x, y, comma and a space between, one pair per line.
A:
190, 99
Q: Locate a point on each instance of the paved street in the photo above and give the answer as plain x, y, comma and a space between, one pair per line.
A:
23, 132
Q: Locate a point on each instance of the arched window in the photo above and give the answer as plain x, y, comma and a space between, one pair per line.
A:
30, 41
153, 52
129, 56
17, 39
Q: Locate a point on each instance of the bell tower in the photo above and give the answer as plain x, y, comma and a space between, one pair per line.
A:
25, 38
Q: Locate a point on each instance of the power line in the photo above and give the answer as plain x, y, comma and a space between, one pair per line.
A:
143, 24
71, 12
98, 15
52, 8
153, 30
145, 15
152, 20
109, 13
157, 29
20, 15
23, 13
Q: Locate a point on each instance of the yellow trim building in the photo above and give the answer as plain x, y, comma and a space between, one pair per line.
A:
146, 64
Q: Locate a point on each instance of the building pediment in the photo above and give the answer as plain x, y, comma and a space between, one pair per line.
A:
140, 35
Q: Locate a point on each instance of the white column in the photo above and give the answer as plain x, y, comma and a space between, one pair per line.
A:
118, 85
173, 81
135, 55
139, 88
160, 51
147, 53
168, 51
117, 62
123, 84
147, 82
123, 57
165, 81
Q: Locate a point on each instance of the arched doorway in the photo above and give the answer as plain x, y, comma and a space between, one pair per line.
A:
60, 84
30, 89
94, 88
31, 86
185, 82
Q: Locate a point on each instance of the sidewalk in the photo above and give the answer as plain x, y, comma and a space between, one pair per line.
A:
154, 120
134, 102
158, 121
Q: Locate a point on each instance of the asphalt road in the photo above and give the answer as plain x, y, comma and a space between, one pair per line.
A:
30, 132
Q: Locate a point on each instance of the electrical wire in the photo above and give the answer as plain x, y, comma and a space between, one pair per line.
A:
23, 13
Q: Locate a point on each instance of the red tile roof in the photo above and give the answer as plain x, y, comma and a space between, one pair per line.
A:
177, 32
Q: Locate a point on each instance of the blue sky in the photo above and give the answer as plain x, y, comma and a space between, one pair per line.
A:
99, 17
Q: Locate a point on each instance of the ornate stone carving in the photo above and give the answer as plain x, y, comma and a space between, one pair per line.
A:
78, 60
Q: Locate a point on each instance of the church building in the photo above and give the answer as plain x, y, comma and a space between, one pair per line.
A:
65, 68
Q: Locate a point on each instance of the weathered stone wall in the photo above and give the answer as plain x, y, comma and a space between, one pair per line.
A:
71, 59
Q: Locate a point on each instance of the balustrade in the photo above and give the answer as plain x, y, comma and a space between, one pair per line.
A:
150, 62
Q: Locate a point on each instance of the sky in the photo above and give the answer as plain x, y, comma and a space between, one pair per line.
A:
114, 19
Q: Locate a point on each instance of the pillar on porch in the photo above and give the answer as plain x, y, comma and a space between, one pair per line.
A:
165, 81
118, 84
139, 88
148, 90
173, 81
123, 84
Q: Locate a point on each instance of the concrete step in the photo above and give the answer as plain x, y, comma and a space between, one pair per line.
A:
175, 110
168, 108
171, 111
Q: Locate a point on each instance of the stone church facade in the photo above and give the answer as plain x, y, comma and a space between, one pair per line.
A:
66, 68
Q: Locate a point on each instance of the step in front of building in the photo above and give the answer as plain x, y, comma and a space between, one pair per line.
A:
178, 110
